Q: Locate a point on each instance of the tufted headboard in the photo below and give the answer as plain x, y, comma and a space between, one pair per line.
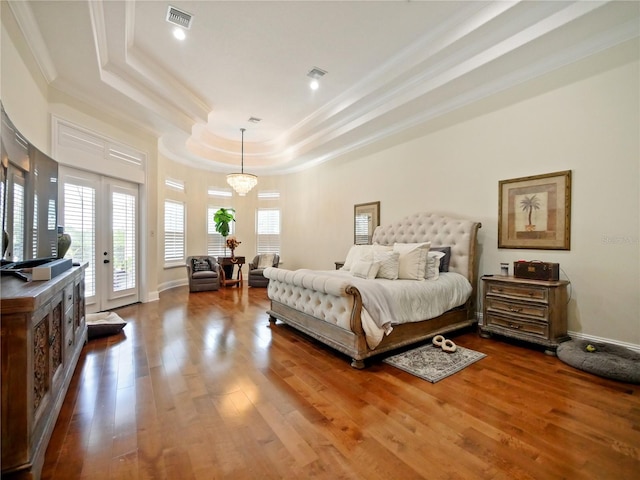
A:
441, 231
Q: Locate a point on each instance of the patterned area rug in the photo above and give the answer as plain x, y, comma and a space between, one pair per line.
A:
432, 363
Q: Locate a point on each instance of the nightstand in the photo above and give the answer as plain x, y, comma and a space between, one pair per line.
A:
529, 310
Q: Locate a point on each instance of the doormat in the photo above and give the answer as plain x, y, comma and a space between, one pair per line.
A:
433, 364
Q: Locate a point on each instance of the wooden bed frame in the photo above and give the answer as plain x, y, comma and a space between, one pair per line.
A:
440, 230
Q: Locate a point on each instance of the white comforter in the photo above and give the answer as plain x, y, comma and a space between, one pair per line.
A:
392, 302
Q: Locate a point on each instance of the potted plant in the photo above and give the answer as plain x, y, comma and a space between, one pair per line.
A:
223, 218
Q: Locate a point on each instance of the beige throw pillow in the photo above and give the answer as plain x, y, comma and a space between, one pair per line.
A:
364, 269
413, 260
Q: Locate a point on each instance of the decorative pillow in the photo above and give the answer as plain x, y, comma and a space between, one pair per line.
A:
357, 252
388, 264
433, 265
201, 265
266, 260
444, 261
413, 260
364, 269
382, 248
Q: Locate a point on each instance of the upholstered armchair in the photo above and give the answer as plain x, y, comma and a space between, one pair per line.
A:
257, 266
203, 273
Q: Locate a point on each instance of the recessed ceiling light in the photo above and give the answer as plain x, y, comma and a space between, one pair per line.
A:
179, 33
315, 73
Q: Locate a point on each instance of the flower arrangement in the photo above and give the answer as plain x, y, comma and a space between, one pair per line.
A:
232, 243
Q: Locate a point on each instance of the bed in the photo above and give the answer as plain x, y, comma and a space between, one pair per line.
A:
364, 317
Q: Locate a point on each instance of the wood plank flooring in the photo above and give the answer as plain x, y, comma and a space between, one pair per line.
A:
199, 386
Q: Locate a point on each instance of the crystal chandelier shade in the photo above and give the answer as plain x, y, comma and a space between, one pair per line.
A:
242, 182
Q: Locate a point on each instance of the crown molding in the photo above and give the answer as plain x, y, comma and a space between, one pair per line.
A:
26, 21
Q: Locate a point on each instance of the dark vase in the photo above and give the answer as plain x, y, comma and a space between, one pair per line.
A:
64, 242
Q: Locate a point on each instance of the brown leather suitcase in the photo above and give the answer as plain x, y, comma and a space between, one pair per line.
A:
536, 270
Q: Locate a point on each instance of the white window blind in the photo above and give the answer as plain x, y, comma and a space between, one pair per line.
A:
268, 230
174, 215
18, 222
34, 228
215, 241
124, 241
80, 224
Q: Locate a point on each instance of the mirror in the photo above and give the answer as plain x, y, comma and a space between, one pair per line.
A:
366, 219
29, 198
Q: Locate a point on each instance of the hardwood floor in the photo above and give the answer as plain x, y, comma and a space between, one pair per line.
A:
200, 387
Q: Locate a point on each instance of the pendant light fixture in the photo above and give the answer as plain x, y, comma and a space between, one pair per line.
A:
242, 182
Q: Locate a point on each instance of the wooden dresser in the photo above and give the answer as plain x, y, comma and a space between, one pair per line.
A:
43, 332
530, 310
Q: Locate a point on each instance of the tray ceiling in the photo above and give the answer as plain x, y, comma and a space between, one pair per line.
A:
391, 66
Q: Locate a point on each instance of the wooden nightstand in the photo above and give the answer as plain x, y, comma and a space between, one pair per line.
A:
530, 310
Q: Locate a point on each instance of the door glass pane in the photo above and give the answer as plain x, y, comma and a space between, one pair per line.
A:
80, 224
124, 241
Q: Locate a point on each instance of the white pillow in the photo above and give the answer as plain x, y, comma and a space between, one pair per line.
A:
364, 269
357, 252
413, 260
433, 265
382, 248
388, 264
266, 260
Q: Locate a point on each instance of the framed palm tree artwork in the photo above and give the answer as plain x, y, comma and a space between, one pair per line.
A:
535, 212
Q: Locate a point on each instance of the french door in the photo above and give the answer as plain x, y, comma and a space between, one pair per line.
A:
100, 214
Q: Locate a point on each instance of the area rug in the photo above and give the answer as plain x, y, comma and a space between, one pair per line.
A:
431, 363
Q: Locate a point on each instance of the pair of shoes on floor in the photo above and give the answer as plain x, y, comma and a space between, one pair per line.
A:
446, 344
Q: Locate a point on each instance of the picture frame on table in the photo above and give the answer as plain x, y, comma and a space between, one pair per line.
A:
535, 212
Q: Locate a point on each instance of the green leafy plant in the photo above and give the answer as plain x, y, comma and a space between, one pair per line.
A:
223, 218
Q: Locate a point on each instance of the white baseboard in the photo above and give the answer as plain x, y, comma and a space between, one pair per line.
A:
593, 338
172, 284
584, 336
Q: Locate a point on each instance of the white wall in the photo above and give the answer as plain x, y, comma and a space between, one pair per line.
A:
24, 90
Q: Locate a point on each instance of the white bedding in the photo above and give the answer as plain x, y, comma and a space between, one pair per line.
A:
405, 300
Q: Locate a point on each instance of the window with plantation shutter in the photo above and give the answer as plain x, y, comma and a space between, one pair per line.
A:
268, 230
124, 241
174, 216
80, 224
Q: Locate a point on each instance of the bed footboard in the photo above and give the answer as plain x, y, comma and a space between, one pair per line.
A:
325, 308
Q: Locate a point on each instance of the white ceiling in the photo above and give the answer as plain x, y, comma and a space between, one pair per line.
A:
392, 65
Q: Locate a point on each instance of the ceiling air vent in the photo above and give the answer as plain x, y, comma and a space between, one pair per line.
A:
316, 73
179, 17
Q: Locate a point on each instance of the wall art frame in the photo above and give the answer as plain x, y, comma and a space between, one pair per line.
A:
366, 217
535, 212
